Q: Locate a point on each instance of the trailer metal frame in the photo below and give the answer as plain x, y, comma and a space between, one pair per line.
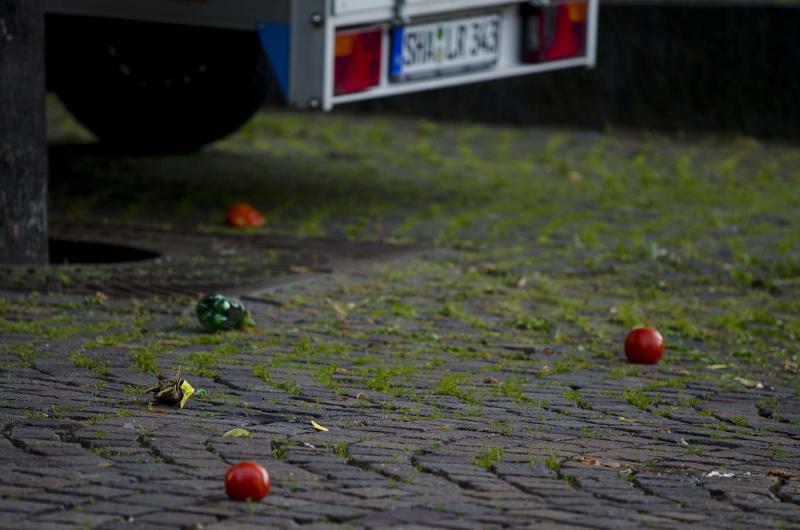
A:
303, 55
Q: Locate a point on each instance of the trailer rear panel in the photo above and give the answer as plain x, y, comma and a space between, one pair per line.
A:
328, 52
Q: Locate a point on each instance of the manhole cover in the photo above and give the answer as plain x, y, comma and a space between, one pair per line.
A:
170, 263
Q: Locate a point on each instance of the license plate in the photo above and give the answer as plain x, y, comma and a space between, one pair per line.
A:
445, 48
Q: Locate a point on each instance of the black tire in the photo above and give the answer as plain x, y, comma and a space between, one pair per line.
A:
146, 87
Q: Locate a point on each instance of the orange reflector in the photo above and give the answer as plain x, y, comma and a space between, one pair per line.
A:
345, 44
577, 12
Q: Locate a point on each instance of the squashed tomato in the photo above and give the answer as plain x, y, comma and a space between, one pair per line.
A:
247, 480
644, 346
242, 215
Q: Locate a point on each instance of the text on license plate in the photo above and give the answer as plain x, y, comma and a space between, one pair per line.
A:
445, 47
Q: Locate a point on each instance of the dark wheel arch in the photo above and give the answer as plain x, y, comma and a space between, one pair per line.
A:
156, 87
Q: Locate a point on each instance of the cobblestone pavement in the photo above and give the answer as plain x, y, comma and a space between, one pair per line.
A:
475, 383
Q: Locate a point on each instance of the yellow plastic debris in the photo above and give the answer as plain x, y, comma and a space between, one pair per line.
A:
187, 392
319, 427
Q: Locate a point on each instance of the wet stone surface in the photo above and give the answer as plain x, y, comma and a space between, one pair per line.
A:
477, 384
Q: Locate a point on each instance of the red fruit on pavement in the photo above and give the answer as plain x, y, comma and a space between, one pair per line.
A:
644, 346
242, 215
247, 480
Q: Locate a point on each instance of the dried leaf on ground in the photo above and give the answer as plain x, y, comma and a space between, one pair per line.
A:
238, 432
791, 365
749, 383
595, 462
340, 311
779, 473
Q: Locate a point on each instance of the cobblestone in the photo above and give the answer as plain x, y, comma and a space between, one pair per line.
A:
477, 382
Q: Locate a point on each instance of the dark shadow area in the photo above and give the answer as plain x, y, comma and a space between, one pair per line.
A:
174, 206
193, 189
75, 252
701, 68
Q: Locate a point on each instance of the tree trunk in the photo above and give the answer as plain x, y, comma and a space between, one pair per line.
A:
23, 146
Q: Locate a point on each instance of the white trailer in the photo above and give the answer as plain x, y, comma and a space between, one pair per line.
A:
175, 74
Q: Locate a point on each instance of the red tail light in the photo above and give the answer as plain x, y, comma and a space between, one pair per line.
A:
554, 32
358, 60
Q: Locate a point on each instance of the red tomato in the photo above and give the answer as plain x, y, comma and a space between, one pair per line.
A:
243, 215
644, 346
247, 480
